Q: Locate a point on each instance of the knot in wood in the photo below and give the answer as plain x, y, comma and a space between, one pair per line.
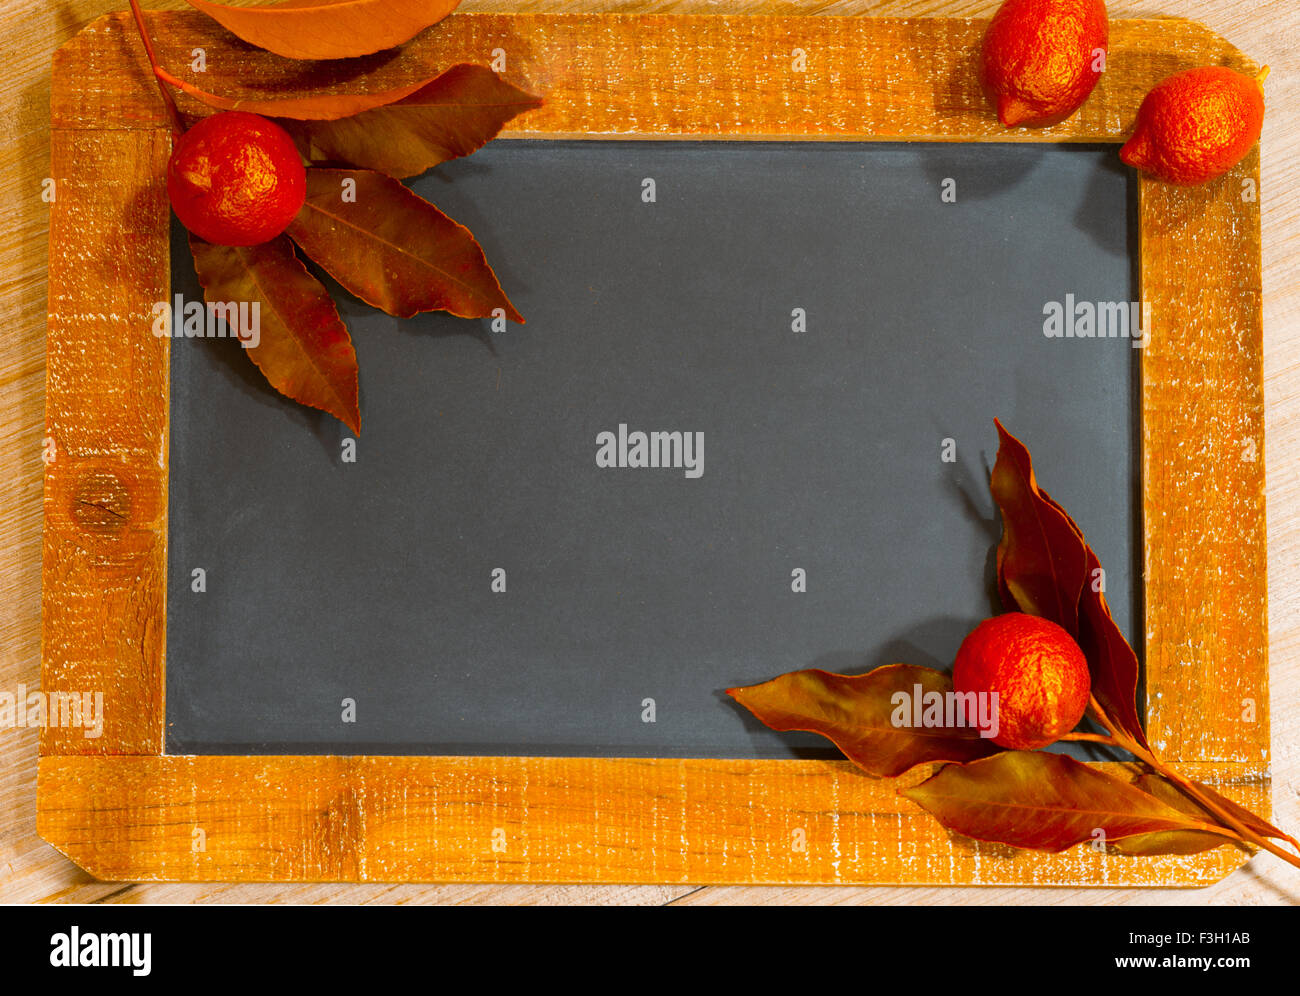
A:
101, 502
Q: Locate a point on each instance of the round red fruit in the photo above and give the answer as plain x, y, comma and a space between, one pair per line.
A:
1037, 671
236, 179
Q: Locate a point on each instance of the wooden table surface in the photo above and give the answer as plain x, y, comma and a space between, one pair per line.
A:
32, 871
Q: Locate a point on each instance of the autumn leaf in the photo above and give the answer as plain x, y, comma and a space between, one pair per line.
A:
303, 348
393, 249
318, 107
1242, 815
1173, 841
1112, 662
1192, 841
328, 29
1045, 801
451, 116
857, 714
1041, 560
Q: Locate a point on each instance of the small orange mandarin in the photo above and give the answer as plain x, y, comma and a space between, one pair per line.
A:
236, 179
1197, 124
1036, 669
1042, 58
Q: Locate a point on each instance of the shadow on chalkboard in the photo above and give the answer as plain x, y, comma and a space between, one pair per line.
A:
976, 501
1098, 224
239, 370
468, 213
958, 160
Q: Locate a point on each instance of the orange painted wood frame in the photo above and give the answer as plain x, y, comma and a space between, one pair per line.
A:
123, 809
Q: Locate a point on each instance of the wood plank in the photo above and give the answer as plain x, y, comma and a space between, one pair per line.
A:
105, 552
387, 819
1205, 586
632, 76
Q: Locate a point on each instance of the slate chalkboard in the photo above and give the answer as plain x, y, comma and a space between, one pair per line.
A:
636, 589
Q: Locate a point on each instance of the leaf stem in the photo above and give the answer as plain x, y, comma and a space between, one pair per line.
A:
1096, 738
177, 123
165, 77
1190, 788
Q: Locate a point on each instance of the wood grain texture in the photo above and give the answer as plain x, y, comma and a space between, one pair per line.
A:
1204, 589
389, 819
105, 550
31, 870
645, 76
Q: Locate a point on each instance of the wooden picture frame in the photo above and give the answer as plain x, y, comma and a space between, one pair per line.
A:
123, 809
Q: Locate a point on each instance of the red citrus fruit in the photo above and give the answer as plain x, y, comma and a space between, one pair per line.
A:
236, 179
1197, 124
1043, 57
1038, 672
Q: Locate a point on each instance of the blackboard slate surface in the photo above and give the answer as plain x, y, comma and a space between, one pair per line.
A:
371, 581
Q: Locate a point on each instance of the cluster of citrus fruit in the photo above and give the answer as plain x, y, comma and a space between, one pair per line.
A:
1042, 58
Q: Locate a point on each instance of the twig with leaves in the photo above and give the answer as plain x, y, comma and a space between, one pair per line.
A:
1029, 799
380, 241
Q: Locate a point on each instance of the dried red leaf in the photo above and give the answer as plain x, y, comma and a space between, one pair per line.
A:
1244, 816
451, 116
317, 107
1043, 548
1112, 662
1170, 842
328, 29
393, 249
1044, 801
304, 349
1173, 841
856, 713
1041, 559
1165, 789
